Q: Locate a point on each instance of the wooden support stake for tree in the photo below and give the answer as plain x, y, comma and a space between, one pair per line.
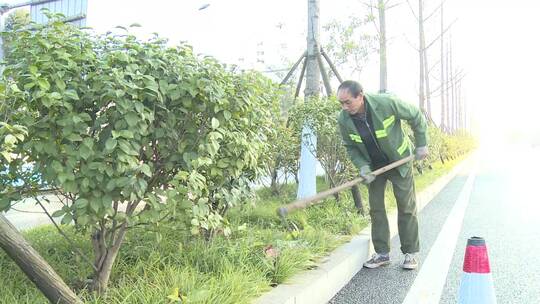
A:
332, 66
357, 198
293, 68
299, 85
326, 81
34, 266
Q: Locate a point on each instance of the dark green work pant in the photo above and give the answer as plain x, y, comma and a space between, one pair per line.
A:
406, 204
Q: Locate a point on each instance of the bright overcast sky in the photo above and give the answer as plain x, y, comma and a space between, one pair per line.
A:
495, 42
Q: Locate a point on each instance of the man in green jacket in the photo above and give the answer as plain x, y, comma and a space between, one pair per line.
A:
370, 125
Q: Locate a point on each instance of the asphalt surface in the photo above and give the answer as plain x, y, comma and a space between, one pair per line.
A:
504, 208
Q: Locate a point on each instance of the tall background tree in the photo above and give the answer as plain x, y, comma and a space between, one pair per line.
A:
381, 7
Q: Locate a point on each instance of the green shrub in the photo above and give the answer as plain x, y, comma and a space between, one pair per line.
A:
132, 133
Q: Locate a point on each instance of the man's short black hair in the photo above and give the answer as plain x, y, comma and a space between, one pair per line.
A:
354, 87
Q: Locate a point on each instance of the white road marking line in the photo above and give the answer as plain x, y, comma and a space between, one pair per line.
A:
429, 282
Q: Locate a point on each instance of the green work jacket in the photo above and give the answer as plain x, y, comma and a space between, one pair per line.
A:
387, 112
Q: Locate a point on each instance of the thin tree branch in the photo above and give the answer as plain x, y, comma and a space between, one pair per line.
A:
392, 6
23, 211
439, 37
410, 43
433, 66
412, 10
434, 10
77, 250
449, 81
375, 25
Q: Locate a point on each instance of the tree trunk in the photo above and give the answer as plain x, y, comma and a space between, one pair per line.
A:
452, 91
34, 266
421, 50
465, 110
447, 84
274, 184
428, 93
105, 256
461, 106
383, 74
313, 77
308, 162
443, 105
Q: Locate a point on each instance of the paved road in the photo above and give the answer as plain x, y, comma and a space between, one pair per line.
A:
503, 206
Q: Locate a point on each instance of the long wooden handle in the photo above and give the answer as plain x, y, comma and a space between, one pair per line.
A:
308, 201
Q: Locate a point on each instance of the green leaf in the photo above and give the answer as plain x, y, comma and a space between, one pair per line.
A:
33, 69
76, 119
74, 137
95, 205
57, 166
139, 107
88, 142
85, 183
62, 177
8, 156
55, 95
110, 144
106, 200
71, 186
122, 181
84, 152
67, 219
10, 140
122, 56
143, 185
215, 123
126, 147
4, 204
111, 185
119, 93
15, 88
81, 203
131, 119
146, 170
227, 115
83, 219
60, 84
124, 133
58, 213
71, 94
44, 84
29, 85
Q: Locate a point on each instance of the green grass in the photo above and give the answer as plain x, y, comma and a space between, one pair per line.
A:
223, 270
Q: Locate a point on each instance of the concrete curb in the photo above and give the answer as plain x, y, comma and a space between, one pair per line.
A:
322, 283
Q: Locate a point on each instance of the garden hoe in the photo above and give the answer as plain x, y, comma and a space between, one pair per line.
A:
284, 210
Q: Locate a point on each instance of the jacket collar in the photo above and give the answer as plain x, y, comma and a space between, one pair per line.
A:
369, 99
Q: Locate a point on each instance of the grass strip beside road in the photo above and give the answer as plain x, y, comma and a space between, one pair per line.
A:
165, 266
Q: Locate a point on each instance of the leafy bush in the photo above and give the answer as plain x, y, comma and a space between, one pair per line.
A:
321, 116
132, 133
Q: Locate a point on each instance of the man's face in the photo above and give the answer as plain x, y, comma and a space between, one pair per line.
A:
349, 103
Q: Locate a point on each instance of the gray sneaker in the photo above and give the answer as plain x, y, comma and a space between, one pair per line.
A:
378, 260
409, 261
